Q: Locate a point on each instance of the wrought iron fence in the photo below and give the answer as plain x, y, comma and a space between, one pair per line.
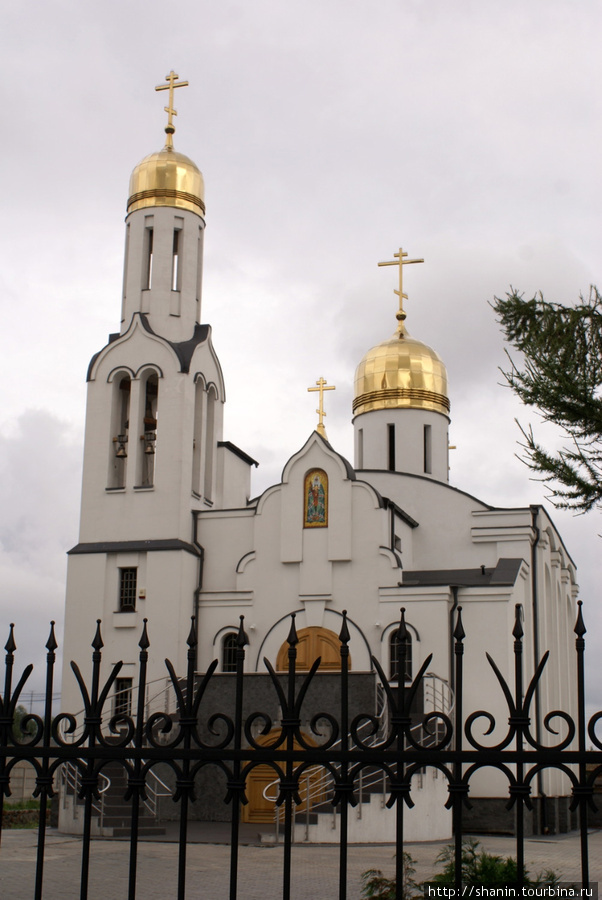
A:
345, 746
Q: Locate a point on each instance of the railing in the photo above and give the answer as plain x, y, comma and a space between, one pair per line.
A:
155, 789
318, 782
71, 786
159, 696
197, 737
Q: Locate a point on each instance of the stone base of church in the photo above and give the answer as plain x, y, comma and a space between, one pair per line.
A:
550, 815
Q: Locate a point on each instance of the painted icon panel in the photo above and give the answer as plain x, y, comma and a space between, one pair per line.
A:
315, 494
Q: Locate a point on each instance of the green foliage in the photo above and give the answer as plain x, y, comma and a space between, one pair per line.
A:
484, 869
23, 814
18, 733
377, 887
478, 868
22, 804
561, 376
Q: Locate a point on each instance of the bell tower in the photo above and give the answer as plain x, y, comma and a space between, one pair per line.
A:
153, 453
164, 238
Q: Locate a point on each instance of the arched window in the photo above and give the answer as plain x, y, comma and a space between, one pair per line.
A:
395, 656
209, 443
197, 436
120, 423
148, 431
229, 648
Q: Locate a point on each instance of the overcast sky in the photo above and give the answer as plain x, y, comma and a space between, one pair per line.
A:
329, 133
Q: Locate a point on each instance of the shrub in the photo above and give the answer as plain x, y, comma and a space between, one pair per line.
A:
377, 887
484, 869
478, 868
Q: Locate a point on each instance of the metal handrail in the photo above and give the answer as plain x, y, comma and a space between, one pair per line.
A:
162, 700
438, 697
155, 793
70, 778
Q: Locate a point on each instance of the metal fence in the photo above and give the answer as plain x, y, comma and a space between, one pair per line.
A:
344, 746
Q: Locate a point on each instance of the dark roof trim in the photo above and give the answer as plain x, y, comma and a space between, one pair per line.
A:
538, 508
504, 574
238, 452
404, 516
443, 484
350, 471
184, 350
348, 467
134, 546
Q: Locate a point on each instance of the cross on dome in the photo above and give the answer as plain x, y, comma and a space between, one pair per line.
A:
400, 261
322, 386
172, 84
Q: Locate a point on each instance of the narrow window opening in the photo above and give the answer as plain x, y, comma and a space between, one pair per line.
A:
229, 648
427, 449
391, 447
119, 432
127, 263
197, 440
199, 264
128, 588
175, 261
395, 656
360, 448
209, 445
148, 437
123, 696
148, 280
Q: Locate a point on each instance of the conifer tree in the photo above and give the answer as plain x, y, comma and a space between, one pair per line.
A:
560, 374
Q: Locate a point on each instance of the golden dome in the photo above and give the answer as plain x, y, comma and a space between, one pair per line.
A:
167, 178
401, 373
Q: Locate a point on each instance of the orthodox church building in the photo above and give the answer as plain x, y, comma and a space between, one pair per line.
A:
169, 527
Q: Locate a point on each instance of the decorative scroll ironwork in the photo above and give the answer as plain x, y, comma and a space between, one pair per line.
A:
188, 741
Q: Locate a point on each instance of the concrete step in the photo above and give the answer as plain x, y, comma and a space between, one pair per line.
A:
143, 831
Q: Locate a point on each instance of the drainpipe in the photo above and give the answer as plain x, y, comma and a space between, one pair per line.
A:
197, 590
534, 603
452, 668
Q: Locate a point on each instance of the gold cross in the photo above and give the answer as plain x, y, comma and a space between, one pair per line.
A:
321, 382
172, 84
401, 261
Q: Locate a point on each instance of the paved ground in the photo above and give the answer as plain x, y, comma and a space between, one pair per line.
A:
315, 866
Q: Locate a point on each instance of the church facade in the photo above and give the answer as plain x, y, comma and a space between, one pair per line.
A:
169, 528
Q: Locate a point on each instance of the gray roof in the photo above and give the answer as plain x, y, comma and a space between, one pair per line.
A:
505, 573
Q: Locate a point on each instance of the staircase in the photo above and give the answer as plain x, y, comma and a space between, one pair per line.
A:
317, 821
111, 815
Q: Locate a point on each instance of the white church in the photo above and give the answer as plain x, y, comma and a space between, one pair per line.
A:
170, 529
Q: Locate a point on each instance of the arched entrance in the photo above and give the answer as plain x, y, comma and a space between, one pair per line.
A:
261, 810
313, 642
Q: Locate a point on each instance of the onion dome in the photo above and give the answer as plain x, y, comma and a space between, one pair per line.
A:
401, 373
167, 178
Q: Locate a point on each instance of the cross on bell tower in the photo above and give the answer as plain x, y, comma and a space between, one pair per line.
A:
172, 84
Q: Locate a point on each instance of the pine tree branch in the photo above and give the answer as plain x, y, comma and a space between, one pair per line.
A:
561, 377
